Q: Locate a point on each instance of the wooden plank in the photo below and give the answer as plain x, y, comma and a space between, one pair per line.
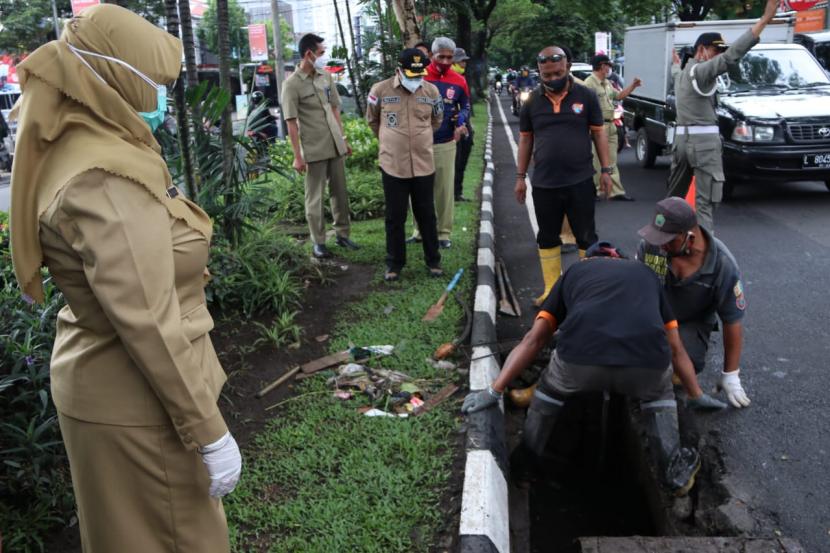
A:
325, 362
442, 394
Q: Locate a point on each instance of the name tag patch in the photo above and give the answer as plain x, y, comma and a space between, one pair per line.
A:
391, 99
424, 100
391, 119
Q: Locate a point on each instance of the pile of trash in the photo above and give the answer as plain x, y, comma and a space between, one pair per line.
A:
390, 393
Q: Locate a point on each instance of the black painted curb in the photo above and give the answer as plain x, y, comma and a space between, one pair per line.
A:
485, 524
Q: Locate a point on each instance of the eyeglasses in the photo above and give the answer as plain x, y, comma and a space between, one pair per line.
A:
554, 58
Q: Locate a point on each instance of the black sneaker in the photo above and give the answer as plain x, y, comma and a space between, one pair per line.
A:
320, 251
413, 240
461, 199
444, 244
344, 242
622, 198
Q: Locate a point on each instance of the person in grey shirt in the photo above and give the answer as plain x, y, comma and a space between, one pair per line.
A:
697, 146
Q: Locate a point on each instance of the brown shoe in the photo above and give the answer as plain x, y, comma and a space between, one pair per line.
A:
521, 398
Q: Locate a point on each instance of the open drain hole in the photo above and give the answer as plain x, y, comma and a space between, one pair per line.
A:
587, 486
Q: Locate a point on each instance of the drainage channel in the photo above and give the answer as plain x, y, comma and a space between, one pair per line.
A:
596, 491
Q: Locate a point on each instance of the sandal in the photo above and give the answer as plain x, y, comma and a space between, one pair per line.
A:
391, 276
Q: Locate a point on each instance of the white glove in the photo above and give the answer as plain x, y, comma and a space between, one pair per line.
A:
731, 383
224, 465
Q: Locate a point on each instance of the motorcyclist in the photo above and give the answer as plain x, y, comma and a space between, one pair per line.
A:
264, 126
525, 79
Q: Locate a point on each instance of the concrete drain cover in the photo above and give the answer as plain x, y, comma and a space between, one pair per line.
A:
638, 544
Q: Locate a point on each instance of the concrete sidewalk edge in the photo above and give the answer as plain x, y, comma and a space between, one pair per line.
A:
485, 524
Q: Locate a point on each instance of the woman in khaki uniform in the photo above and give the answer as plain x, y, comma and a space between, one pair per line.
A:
135, 378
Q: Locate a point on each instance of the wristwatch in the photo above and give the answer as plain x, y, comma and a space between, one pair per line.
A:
607, 170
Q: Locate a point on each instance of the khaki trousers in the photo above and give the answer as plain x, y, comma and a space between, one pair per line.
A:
613, 143
700, 156
138, 490
333, 172
443, 189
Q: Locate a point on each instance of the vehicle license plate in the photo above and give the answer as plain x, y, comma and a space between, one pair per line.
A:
816, 160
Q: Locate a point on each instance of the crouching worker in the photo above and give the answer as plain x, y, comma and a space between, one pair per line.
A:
617, 334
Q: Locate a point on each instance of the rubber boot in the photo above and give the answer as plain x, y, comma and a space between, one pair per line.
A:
521, 397
540, 420
678, 466
551, 261
582, 254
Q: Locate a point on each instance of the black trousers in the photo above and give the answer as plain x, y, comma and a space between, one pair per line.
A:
577, 202
462, 155
398, 194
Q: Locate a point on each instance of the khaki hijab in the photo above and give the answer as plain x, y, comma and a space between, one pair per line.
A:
71, 122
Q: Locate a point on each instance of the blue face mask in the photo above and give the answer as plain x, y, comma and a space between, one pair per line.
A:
155, 118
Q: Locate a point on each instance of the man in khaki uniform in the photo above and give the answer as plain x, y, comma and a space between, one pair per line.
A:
402, 112
311, 107
607, 94
697, 150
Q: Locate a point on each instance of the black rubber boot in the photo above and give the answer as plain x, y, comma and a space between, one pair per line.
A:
677, 466
540, 420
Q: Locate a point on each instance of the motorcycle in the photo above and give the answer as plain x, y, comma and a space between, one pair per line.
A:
519, 99
498, 87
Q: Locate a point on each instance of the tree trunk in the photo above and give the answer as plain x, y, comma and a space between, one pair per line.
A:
189, 43
349, 59
182, 123
358, 92
223, 23
463, 29
382, 35
408, 22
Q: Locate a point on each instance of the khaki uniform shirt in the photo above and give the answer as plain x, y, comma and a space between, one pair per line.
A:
310, 99
694, 108
132, 345
403, 123
606, 94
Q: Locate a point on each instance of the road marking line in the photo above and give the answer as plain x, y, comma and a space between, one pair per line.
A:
484, 500
531, 209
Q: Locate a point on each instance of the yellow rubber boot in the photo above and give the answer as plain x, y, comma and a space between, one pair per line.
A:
582, 254
521, 398
551, 261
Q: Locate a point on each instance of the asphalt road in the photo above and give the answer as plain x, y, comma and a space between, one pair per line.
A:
777, 450
4, 191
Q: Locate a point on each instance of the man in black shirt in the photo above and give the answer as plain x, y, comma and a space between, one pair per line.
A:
557, 125
617, 334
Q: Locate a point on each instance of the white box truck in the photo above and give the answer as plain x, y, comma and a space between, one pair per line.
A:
773, 108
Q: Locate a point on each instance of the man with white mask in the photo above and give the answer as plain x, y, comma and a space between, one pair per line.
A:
311, 107
403, 111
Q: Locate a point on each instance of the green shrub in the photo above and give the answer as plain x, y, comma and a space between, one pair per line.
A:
35, 490
265, 273
363, 142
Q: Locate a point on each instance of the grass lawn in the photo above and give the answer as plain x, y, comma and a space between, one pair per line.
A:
322, 477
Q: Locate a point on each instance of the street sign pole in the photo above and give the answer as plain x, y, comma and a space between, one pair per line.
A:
278, 64
55, 19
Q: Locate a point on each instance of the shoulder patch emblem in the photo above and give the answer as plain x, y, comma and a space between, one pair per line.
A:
392, 119
740, 298
578, 108
391, 99
438, 107
372, 99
